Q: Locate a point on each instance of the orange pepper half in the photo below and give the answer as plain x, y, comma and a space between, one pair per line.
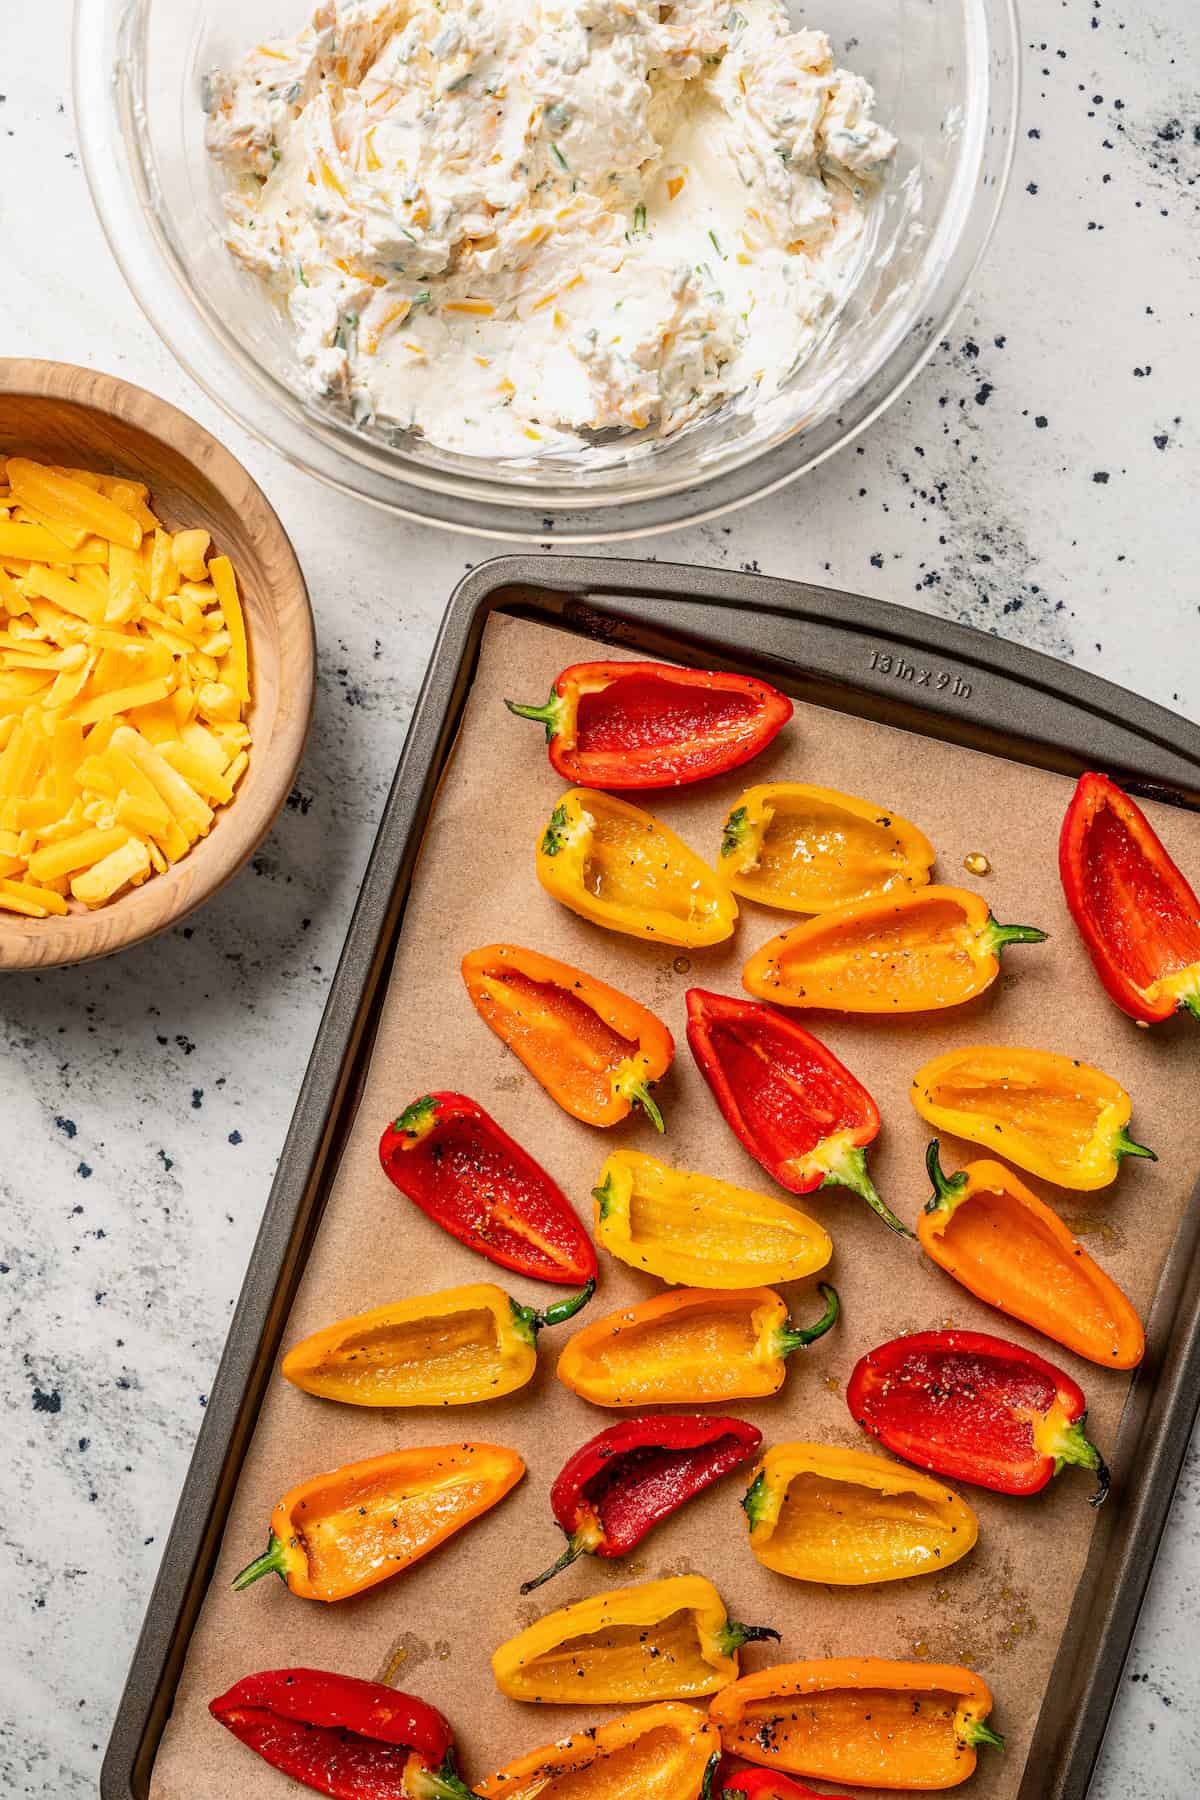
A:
343, 1532
657, 1753
987, 1229
594, 1050
909, 952
862, 1720
689, 1347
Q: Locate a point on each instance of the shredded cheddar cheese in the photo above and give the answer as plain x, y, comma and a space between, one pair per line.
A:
124, 678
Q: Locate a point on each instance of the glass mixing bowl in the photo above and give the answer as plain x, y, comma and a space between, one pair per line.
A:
946, 76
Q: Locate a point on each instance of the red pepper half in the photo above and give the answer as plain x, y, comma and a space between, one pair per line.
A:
648, 725
787, 1098
354, 1740
1136, 913
975, 1408
626, 1480
765, 1784
471, 1178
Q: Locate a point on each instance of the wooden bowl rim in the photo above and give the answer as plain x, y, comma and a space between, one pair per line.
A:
139, 914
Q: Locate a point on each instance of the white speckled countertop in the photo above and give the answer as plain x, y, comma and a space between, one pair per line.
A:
1037, 481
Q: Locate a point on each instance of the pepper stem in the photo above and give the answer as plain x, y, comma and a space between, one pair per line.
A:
439, 1784
732, 1636
757, 1499
271, 1562
549, 715
794, 1337
572, 1553
1192, 1003
979, 1733
1123, 1145
528, 1321
850, 1171
1075, 1449
710, 1775
639, 1094
948, 1190
995, 935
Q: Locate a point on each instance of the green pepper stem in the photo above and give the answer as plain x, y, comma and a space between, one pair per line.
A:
732, 1636
794, 1337
1076, 1450
995, 935
528, 1321
1191, 1003
754, 1498
948, 1190
441, 1784
639, 1094
734, 831
574, 1550
710, 1775
979, 1733
271, 1562
549, 715
1123, 1145
850, 1171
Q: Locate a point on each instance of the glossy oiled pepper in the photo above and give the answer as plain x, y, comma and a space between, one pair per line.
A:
818, 1512
1136, 911
628, 1479
912, 1726
975, 1408
597, 1052
807, 849
701, 1232
616, 865
985, 1227
351, 1739
456, 1348
910, 952
647, 725
765, 1784
689, 1347
786, 1097
472, 1179
343, 1532
1053, 1115
658, 1753
663, 1640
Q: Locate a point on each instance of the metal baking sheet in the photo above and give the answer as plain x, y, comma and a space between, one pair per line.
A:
837, 651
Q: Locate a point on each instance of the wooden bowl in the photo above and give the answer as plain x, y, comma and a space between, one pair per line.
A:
55, 412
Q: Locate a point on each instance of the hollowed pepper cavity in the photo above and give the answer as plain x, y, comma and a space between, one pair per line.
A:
662, 1640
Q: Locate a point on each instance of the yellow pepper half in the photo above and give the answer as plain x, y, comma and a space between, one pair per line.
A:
701, 1232
807, 849
455, 1348
616, 865
819, 1512
658, 1753
663, 1640
689, 1347
1053, 1115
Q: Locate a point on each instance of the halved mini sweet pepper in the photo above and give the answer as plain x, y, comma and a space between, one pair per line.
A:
808, 849
701, 1232
689, 1347
455, 1348
351, 1739
861, 1720
662, 1640
594, 1050
986, 1228
908, 952
975, 1408
765, 1784
1137, 913
344, 1532
663, 1752
1053, 1115
818, 1512
628, 1479
647, 724
452, 1159
786, 1097
614, 864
